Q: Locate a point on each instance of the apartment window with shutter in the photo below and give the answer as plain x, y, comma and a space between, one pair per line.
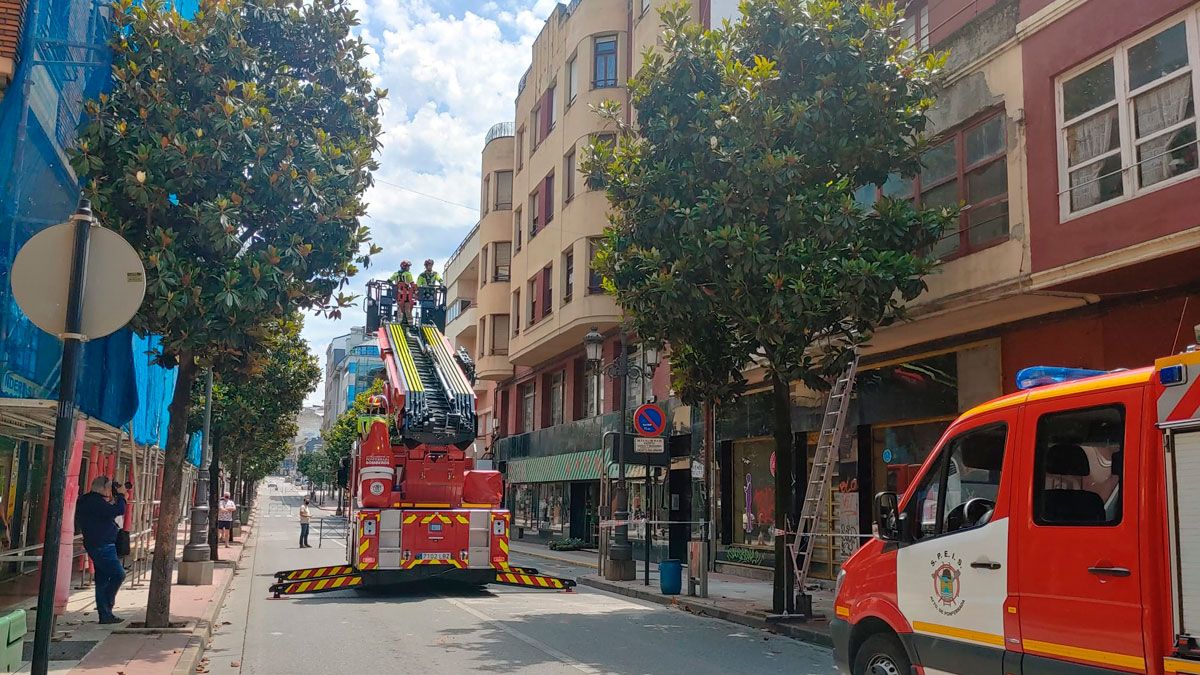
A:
516, 312
487, 183
604, 72
548, 198
483, 265
1127, 119
552, 104
547, 290
500, 334
915, 27
528, 397
501, 260
517, 227
556, 398
572, 80
568, 275
534, 210
595, 284
504, 190
531, 295
521, 147
569, 176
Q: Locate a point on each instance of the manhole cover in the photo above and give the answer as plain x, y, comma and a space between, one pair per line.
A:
66, 650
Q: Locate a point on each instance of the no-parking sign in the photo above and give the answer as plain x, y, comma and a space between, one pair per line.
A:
649, 420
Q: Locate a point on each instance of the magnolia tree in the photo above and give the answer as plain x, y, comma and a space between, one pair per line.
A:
232, 152
733, 203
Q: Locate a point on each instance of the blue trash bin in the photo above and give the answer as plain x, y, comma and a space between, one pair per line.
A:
670, 577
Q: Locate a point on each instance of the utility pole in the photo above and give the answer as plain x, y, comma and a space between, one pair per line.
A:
64, 423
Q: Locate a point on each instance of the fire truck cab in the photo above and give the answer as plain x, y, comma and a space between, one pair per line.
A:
1054, 530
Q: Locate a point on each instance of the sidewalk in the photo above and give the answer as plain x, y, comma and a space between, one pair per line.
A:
83, 646
735, 599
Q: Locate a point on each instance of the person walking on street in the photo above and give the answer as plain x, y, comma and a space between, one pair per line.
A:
304, 525
95, 517
225, 509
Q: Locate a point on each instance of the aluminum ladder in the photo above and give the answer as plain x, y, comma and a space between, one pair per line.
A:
833, 424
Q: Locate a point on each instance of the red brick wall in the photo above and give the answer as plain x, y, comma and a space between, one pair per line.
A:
12, 13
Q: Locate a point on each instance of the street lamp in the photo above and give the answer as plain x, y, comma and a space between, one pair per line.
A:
620, 555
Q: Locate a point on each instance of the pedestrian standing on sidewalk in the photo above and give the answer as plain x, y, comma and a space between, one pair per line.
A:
304, 525
225, 509
95, 515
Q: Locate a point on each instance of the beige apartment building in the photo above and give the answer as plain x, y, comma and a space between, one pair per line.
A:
1080, 253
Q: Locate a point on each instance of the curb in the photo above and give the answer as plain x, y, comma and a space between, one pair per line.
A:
193, 653
549, 556
701, 608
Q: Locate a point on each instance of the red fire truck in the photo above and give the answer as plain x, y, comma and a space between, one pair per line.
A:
1054, 530
420, 509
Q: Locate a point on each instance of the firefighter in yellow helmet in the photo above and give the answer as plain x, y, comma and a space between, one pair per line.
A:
403, 275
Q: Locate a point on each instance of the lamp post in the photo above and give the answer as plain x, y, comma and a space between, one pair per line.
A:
197, 566
620, 553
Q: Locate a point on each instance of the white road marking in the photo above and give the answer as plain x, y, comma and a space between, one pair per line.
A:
532, 642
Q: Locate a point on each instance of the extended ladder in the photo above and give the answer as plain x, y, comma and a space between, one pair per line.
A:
824, 460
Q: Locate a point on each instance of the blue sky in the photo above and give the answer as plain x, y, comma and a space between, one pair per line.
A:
451, 68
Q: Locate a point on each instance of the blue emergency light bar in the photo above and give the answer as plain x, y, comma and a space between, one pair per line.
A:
1040, 376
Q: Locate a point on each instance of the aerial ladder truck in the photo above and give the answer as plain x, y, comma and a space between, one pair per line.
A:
420, 509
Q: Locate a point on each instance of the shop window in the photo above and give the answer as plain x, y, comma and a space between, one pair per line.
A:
753, 478
1127, 121
551, 511
959, 491
1078, 467
525, 503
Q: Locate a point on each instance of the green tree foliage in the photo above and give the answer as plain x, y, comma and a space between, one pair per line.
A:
232, 152
341, 437
317, 468
733, 206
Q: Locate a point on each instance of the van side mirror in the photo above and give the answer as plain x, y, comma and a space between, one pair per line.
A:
888, 523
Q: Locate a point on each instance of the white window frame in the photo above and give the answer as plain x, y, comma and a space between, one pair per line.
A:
1123, 101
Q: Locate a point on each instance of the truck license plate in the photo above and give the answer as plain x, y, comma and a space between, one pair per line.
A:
433, 556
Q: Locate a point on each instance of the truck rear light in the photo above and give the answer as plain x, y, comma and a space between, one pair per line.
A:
408, 555
462, 555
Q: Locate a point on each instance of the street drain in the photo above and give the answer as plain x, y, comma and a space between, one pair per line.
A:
65, 650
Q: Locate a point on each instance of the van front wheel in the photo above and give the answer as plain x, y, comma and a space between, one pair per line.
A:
881, 654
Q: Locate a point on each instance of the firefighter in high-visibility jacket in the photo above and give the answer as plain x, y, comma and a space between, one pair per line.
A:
403, 280
429, 277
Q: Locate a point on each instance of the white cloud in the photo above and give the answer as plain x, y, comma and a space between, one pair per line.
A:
451, 69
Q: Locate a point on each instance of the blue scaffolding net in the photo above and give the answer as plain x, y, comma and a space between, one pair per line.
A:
64, 60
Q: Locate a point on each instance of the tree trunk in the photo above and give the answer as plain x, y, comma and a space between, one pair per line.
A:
214, 498
782, 599
158, 604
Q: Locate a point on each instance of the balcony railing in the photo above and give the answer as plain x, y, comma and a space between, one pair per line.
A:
498, 130
462, 245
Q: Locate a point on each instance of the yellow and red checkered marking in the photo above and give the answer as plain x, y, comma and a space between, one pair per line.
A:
314, 573
319, 585
533, 581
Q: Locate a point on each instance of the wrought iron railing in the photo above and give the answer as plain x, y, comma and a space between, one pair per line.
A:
498, 130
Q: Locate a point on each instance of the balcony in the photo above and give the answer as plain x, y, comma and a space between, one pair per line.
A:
461, 319
494, 366
577, 436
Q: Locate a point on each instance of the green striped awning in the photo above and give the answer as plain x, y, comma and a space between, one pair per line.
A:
587, 465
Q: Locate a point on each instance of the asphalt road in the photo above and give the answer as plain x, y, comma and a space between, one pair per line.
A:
501, 629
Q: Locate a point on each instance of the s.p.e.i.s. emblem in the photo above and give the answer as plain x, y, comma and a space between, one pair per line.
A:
947, 569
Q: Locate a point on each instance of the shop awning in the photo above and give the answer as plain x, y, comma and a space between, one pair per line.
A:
571, 466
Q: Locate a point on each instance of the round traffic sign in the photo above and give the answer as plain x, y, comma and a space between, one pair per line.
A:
113, 288
649, 420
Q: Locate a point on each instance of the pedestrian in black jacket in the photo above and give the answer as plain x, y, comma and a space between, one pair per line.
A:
95, 517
